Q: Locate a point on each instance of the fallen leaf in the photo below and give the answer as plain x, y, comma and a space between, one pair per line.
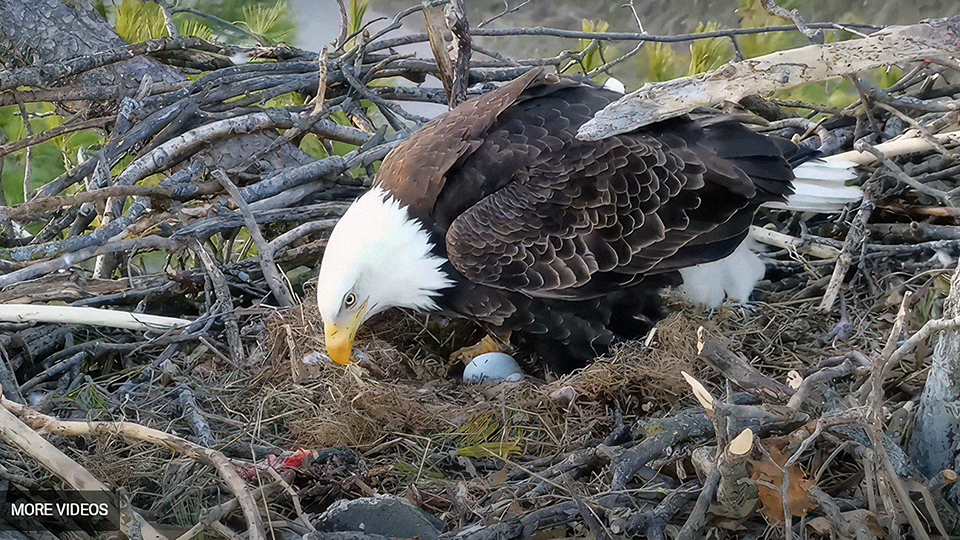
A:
820, 526
769, 471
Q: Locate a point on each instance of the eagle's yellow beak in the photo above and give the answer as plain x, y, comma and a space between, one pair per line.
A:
339, 340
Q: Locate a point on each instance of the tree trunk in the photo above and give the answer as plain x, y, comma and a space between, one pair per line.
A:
39, 32
49, 33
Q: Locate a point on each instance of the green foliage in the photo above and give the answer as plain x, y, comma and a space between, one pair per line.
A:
418, 472
269, 22
356, 11
310, 144
140, 21
319, 150
355, 15
48, 160
137, 20
100, 7
660, 66
753, 15
661, 61
708, 54
885, 78
837, 94
88, 397
594, 53
290, 99
197, 29
484, 436
595, 58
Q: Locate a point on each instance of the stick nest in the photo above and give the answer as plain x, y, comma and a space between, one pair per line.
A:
797, 405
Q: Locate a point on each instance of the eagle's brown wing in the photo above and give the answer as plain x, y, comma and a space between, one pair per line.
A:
570, 218
415, 171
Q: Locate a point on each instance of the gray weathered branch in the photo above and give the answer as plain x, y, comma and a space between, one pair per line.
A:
775, 71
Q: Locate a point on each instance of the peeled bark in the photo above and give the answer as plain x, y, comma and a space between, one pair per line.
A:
936, 433
937, 38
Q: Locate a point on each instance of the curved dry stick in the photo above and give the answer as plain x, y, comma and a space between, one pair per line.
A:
16, 431
130, 430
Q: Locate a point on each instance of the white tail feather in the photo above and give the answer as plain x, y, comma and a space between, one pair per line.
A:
820, 186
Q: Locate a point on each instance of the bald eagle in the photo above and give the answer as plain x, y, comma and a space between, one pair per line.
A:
497, 212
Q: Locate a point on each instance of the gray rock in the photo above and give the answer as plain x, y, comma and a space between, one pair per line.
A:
380, 515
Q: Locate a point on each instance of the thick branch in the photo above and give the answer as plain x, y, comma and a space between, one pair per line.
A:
776, 71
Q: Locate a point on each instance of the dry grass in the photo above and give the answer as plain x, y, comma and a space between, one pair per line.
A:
401, 391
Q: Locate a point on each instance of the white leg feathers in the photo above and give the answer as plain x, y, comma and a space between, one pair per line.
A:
819, 186
732, 277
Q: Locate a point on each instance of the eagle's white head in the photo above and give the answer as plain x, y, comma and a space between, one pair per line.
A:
377, 257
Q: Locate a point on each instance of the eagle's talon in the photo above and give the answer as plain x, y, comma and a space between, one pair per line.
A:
488, 344
749, 306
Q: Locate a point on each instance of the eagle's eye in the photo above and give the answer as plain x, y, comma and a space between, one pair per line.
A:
349, 300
